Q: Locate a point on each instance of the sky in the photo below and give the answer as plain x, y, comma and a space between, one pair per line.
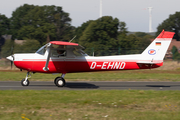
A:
133, 12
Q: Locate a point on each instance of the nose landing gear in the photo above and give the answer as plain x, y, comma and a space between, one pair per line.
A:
25, 81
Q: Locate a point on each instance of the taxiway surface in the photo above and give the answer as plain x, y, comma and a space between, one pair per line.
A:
92, 85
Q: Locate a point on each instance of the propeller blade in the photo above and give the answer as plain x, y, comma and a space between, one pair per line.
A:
11, 64
12, 52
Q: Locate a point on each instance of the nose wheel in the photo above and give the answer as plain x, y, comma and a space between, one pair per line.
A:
25, 81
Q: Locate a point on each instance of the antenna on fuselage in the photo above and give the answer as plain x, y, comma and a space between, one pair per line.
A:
72, 38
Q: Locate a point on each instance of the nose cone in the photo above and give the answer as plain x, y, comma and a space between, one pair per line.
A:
11, 58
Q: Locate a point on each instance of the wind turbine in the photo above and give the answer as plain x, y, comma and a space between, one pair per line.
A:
150, 19
100, 12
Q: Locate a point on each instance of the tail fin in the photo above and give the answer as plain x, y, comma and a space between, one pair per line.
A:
156, 51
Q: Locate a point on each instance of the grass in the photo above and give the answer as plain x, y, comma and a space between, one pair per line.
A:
91, 105
136, 75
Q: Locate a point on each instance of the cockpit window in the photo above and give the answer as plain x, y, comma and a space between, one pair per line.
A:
79, 52
41, 50
61, 51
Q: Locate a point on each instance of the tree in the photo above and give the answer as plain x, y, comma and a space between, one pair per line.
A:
43, 23
140, 34
24, 48
171, 24
4, 25
17, 19
129, 43
79, 30
7, 48
144, 39
133, 43
122, 28
28, 46
4, 28
101, 34
175, 53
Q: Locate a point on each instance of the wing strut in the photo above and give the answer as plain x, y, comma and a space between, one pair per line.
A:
48, 57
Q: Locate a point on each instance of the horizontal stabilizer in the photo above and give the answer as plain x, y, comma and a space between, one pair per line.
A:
145, 62
149, 65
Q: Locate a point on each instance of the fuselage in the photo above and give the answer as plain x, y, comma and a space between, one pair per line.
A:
35, 63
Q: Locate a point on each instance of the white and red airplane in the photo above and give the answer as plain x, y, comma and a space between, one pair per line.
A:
66, 57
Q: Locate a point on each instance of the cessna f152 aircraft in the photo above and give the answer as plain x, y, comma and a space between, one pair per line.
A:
66, 57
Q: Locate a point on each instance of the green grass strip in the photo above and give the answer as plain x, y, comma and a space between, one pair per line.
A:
136, 75
91, 105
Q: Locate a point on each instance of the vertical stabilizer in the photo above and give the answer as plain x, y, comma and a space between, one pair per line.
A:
156, 51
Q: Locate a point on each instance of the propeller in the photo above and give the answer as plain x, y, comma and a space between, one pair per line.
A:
11, 58
12, 61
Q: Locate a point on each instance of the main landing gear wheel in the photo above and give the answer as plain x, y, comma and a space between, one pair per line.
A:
60, 82
24, 82
56, 79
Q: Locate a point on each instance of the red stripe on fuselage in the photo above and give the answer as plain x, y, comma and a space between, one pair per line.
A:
75, 66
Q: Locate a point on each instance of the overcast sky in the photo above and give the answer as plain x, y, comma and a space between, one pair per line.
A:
133, 12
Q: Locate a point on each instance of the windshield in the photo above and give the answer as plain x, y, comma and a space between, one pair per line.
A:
41, 50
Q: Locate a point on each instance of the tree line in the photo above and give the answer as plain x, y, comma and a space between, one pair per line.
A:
40, 24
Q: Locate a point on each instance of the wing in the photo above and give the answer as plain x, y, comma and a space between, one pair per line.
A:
66, 43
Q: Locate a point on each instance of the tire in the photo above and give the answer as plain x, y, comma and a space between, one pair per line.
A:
56, 79
60, 82
23, 83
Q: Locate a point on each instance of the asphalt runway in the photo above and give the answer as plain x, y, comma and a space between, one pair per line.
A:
92, 86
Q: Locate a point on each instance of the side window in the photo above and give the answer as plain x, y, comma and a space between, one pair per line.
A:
76, 52
79, 52
58, 51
